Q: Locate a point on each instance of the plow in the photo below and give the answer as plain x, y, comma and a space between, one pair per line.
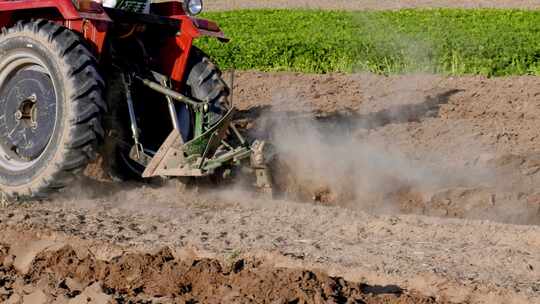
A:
120, 79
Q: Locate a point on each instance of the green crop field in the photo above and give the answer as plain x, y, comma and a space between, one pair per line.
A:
447, 41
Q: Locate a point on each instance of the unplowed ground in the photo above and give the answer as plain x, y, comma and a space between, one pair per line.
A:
406, 189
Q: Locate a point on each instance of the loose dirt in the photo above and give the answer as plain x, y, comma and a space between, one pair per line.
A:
405, 189
368, 4
72, 274
451, 147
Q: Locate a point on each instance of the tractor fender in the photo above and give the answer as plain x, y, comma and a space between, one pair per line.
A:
92, 25
64, 7
209, 28
176, 52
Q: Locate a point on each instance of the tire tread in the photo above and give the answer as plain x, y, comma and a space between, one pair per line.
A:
85, 108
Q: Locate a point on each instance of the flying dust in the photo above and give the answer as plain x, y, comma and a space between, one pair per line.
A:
340, 158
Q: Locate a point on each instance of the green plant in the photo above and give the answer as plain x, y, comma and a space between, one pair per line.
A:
450, 41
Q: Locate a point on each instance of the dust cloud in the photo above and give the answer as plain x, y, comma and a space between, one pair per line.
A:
363, 159
334, 160
341, 158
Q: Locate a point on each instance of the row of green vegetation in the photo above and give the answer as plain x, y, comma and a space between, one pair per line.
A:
447, 41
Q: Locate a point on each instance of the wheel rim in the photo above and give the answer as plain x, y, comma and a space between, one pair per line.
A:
28, 110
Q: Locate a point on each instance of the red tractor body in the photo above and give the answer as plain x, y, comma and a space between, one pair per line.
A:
94, 24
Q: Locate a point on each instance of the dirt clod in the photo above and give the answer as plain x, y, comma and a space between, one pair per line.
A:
139, 277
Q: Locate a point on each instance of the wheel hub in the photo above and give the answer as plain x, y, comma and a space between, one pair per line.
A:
28, 109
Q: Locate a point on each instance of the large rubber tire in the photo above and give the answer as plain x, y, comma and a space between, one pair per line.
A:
63, 56
204, 82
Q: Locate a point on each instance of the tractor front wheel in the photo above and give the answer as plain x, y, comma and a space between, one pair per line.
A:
50, 107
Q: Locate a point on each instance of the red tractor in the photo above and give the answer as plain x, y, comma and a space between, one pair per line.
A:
79, 78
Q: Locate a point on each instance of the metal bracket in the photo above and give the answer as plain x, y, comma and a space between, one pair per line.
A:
162, 159
194, 158
173, 94
140, 156
126, 79
260, 157
165, 82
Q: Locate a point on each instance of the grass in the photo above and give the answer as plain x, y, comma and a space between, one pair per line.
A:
448, 41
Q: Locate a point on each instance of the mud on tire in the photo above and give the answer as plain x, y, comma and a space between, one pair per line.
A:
44, 49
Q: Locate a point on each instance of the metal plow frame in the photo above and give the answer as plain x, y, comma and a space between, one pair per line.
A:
204, 154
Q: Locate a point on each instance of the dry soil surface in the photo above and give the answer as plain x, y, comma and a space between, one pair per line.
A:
68, 271
405, 189
422, 142
219, 5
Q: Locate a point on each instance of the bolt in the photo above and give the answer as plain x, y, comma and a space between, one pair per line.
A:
33, 98
18, 115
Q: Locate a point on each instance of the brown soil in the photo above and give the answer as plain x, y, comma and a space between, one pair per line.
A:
417, 183
452, 147
368, 4
63, 273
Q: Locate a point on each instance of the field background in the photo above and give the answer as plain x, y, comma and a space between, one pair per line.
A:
489, 42
221, 5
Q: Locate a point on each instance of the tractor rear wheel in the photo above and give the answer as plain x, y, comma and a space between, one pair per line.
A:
204, 83
50, 108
